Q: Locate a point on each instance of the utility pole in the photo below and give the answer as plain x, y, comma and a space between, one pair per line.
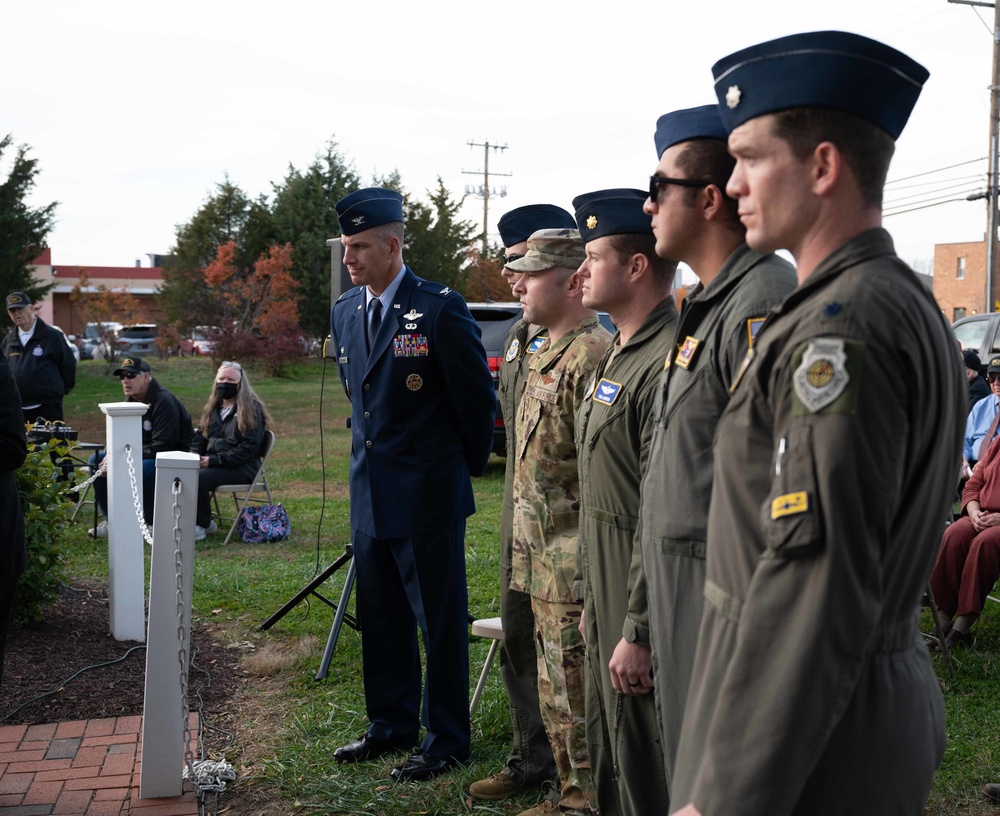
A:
992, 220
485, 190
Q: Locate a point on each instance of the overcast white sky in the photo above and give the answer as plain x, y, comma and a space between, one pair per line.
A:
137, 110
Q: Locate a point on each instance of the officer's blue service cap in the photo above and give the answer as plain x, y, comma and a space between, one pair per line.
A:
820, 69
518, 224
18, 300
367, 208
612, 212
703, 122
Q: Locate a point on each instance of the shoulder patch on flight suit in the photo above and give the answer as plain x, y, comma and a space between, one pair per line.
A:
536, 344
833, 309
687, 352
827, 371
512, 351
607, 391
753, 326
789, 504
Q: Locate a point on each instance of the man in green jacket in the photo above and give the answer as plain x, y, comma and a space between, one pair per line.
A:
695, 222
623, 275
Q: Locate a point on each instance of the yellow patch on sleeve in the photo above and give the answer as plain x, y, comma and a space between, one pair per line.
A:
789, 504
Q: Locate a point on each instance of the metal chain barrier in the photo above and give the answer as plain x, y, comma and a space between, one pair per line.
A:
146, 533
97, 474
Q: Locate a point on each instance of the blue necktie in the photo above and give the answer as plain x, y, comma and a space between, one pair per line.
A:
374, 321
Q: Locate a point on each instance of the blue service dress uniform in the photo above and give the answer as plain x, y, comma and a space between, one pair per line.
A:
422, 410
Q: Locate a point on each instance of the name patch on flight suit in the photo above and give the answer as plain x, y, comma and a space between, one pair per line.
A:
789, 504
687, 352
827, 374
536, 344
409, 345
607, 392
546, 388
512, 351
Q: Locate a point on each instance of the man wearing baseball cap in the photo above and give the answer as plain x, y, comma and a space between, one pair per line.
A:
833, 474
40, 359
547, 493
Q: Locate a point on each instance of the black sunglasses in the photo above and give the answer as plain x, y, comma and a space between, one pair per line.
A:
127, 375
514, 256
992, 377
656, 182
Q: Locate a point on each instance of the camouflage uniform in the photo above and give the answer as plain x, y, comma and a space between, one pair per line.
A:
716, 325
615, 426
546, 525
530, 761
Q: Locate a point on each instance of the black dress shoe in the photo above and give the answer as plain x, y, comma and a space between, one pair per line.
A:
420, 767
368, 747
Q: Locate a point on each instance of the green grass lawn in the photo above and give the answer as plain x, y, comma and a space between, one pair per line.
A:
286, 741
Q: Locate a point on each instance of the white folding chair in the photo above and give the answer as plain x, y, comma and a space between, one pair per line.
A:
243, 494
488, 628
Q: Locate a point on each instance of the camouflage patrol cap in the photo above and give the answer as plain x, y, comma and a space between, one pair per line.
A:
549, 248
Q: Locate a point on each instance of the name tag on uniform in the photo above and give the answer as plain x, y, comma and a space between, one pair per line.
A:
409, 345
536, 344
342, 360
687, 352
607, 392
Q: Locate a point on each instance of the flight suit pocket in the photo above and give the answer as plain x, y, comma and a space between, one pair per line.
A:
791, 517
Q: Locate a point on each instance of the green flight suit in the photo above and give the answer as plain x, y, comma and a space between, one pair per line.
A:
614, 429
720, 320
835, 465
530, 761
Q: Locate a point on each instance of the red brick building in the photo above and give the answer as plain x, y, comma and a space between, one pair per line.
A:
960, 279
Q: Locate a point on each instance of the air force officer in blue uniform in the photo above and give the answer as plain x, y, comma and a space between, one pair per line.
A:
422, 409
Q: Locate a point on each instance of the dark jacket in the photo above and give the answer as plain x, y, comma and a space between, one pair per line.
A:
166, 425
226, 447
45, 371
13, 450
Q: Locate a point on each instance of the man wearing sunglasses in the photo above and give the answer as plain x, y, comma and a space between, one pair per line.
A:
530, 764
695, 222
166, 426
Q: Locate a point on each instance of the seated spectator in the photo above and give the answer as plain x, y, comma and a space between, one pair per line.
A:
229, 440
968, 563
166, 426
982, 422
974, 375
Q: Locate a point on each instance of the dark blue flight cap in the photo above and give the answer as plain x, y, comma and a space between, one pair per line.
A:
612, 212
518, 224
367, 208
819, 69
703, 122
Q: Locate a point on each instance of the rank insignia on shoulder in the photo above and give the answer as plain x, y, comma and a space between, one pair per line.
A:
445, 291
753, 327
827, 375
687, 351
607, 392
790, 504
833, 309
512, 350
536, 344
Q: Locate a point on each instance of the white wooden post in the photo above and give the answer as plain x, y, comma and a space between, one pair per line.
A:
126, 576
169, 627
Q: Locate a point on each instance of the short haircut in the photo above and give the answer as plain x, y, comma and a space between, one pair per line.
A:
625, 245
865, 147
709, 160
394, 229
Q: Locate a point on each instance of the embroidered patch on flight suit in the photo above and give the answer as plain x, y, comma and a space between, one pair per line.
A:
409, 345
687, 351
789, 504
753, 326
512, 351
546, 387
414, 382
536, 344
833, 309
827, 371
607, 392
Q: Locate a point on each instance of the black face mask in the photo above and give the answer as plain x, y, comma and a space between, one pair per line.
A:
227, 390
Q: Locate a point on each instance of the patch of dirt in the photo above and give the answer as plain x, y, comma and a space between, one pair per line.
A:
74, 635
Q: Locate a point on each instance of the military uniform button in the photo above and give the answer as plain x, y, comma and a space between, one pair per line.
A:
368, 414
368, 444
368, 386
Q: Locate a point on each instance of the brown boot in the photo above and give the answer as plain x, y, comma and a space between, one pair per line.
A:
544, 808
499, 786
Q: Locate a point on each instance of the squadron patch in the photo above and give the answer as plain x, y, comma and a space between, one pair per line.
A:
607, 392
409, 345
414, 382
536, 344
687, 351
512, 351
789, 504
823, 377
147, 425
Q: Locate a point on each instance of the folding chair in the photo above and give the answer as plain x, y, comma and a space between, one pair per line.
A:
488, 628
243, 494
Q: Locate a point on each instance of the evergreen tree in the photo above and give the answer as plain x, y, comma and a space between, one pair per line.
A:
437, 245
23, 229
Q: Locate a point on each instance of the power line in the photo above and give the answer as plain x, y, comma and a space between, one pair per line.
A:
922, 207
940, 169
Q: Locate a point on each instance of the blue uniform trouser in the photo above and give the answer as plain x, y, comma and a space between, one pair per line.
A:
148, 483
404, 583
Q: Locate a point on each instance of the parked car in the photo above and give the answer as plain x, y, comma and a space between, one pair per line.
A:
495, 320
94, 341
981, 333
137, 340
200, 342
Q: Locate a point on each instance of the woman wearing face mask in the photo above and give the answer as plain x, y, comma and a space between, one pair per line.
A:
229, 439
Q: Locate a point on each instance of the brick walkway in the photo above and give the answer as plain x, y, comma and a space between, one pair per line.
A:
85, 768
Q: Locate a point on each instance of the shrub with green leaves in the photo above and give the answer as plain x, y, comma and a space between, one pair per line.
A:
46, 511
